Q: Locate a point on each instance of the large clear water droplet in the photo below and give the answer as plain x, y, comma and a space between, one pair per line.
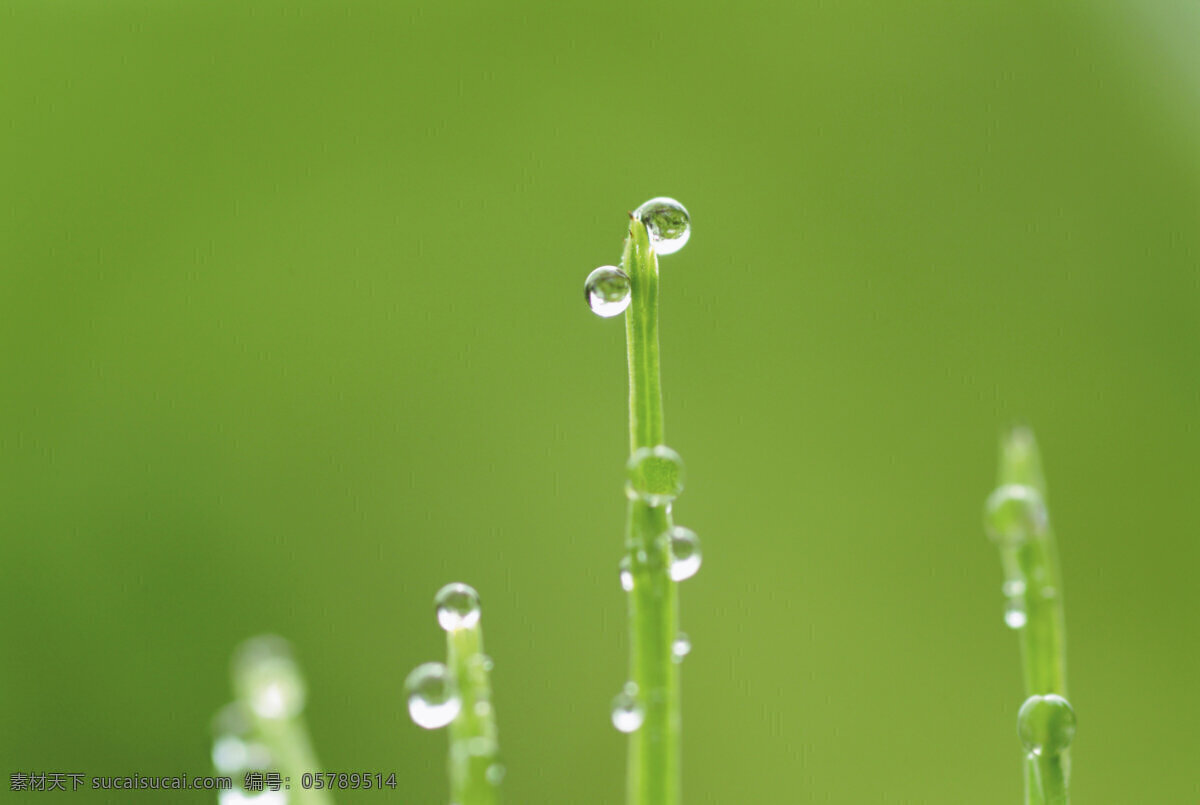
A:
432, 701
1046, 724
655, 474
1014, 613
607, 290
267, 678
627, 711
1015, 513
681, 646
684, 547
457, 606
667, 222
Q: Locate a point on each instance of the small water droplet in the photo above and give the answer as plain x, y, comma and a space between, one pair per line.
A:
1046, 724
1014, 613
432, 701
482, 662
1014, 514
267, 678
495, 773
627, 711
681, 646
457, 607
626, 570
667, 222
684, 546
607, 290
234, 747
655, 474
1013, 587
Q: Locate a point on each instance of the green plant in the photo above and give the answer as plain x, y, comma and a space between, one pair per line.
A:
659, 554
1018, 522
263, 729
457, 694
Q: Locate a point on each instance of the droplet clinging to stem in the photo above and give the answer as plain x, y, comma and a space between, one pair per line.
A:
667, 222
607, 290
432, 700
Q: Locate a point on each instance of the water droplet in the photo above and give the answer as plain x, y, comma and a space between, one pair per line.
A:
1014, 514
234, 746
432, 700
1014, 613
668, 223
1013, 587
626, 571
482, 662
457, 607
607, 290
627, 711
655, 475
267, 678
1046, 724
684, 546
495, 773
681, 646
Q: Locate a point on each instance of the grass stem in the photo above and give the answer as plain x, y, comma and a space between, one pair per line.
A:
475, 772
654, 749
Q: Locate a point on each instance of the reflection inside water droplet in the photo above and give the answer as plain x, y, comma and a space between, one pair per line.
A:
684, 548
627, 711
607, 290
432, 700
457, 606
667, 222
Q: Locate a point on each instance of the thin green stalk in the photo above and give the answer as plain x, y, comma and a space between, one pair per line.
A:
271, 692
1050, 773
1019, 523
291, 748
474, 769
1043, 639
654, 749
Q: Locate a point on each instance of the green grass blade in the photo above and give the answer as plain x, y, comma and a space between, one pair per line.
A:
1034, 585
475, 771
654, 749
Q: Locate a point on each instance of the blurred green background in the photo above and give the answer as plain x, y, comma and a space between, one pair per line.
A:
291, 334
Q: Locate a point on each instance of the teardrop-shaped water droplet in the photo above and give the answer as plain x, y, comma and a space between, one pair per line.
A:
457, 606
432, 701
626, 570
655, 474
667, 222
1046, 724
684, 547
607, 290
1014, 514
627, 711
681, 646
1014, 613
267, 678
